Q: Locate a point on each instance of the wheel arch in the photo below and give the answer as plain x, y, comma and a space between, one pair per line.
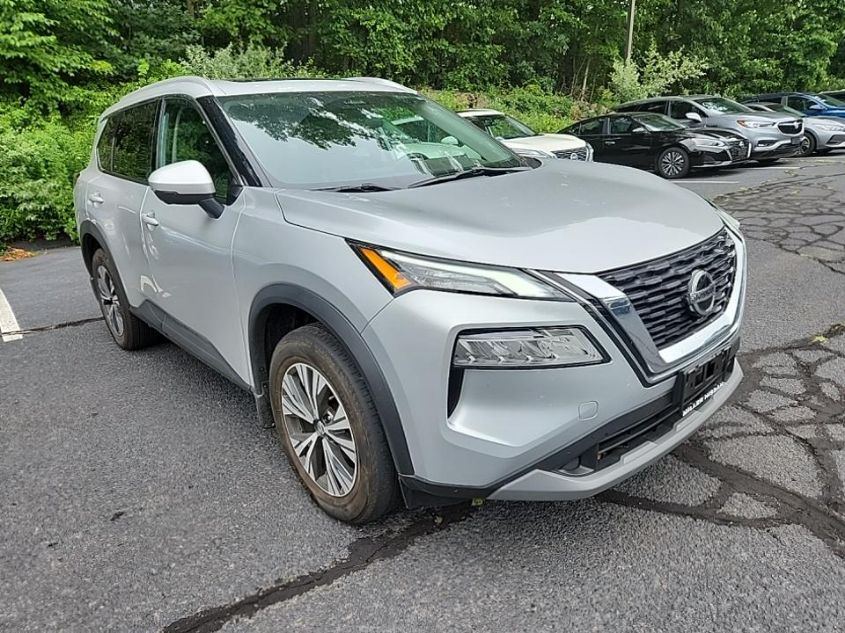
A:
91, 239
279, 308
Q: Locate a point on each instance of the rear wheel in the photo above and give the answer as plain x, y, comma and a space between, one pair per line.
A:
673, 162
329, 428
808, 145
127, 330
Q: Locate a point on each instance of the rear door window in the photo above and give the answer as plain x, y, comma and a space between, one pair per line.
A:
592, 128
799, 103
680, 109
132, 153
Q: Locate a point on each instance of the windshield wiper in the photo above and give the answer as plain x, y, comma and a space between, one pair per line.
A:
468, 173
364, 186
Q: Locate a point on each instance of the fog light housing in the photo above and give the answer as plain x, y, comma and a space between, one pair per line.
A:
525, 348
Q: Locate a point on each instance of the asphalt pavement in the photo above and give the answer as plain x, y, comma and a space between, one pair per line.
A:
137, 492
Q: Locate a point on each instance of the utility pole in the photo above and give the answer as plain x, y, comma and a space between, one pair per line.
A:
629, 43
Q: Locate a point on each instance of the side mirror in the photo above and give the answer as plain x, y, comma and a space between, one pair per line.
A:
815, 107
694, 116
186, 182
449, 140
639, 130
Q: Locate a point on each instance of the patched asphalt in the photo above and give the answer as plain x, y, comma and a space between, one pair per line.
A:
139, 494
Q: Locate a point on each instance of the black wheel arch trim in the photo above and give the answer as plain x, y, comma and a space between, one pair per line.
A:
348, 336
88, 228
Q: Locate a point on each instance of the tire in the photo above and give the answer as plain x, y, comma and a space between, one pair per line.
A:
127, 330
808, 145
673, 162
767, 161
340, 454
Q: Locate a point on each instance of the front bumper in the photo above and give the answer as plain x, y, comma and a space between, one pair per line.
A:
775, 148
508, 432
831, 140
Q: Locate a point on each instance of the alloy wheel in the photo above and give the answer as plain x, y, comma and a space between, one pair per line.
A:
318, 428
109, 301
672, 163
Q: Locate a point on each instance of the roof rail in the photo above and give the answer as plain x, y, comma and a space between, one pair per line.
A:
381, 82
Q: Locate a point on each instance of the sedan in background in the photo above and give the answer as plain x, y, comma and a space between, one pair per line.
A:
773, 135
821, 133
807, 103
654, 141
526, 142
836, 94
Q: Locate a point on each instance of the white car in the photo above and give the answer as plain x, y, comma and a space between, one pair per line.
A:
525, 141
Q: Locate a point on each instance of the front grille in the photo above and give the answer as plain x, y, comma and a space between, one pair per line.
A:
836, 138
573, 154
738, 151
791, 127
658, 288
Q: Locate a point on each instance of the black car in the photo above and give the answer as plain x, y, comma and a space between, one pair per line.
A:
654, 141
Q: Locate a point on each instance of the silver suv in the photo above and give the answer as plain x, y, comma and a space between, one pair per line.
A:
424, 320
773, 135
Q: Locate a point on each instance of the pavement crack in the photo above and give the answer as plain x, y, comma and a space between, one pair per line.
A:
362, 553
56, 326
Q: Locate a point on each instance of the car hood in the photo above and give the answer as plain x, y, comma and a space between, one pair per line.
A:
546, 142
811, 120
831, 112
567, 216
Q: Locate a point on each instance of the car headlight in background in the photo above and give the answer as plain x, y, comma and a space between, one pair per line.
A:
707, 142
534, 347
753, 124
401, 272
534, 153
830, 127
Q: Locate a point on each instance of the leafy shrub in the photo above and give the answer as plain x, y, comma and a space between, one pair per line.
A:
253, 62
39, 164
655, 75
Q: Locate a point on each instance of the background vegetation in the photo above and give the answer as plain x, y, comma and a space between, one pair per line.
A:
549, 61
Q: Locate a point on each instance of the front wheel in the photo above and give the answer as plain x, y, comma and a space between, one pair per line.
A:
808, 145
673, 162
329, 427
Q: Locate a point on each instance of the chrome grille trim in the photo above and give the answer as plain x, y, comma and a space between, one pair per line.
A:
658, 289
616, 315
582, 153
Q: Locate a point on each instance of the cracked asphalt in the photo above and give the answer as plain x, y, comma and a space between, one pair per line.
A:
137, 493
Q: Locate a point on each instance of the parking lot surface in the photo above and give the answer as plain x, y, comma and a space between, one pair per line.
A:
139, 494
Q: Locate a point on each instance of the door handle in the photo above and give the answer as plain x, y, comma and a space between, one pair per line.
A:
149, 219
95, 198
610, 142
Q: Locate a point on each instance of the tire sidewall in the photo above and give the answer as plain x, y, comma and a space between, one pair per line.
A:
299, 347
101, 258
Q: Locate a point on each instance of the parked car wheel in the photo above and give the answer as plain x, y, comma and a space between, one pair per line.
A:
673, 162
127, 330
808, 145
329, 427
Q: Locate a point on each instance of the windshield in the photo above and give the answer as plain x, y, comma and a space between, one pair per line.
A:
335, 139
831, 102
658, 122
780, 107
722, 105
502, 126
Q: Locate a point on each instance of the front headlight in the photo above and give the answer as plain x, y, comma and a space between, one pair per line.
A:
752, 123
533, 153
401, 272
709, 143
535, 347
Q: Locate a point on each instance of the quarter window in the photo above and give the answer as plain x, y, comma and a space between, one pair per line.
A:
799, 103
591, 128
132, 153
105, 146
184, 135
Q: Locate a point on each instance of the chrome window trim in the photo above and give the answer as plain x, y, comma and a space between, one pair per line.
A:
659, 364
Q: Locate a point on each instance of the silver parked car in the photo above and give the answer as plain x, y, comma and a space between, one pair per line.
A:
423, 320
822, 134
773, 135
